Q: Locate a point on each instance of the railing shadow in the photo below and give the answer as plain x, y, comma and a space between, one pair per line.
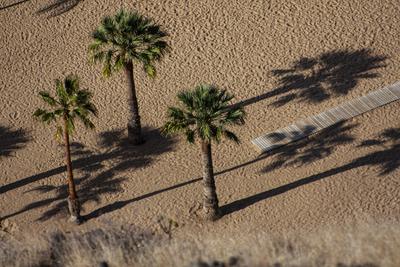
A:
309, 156
387, 144
313, 148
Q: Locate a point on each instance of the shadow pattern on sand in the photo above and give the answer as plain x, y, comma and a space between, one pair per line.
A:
302, 152
53, 8
97, 173
299, 153
58, 7
6, 6
11, 140
387, 146
313, 148
316, 79
310, 155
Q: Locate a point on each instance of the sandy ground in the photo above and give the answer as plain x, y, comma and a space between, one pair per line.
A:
298, 57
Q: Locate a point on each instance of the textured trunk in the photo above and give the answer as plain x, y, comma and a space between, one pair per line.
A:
73, 201
210, 204
134, 127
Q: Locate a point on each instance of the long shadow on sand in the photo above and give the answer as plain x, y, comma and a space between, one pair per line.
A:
11, 140
316, 79
387, 144
13, 4
53, 8
58, 7
99, 171
301, 152
316, 149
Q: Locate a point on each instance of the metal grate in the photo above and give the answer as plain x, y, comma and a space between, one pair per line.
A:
328, 118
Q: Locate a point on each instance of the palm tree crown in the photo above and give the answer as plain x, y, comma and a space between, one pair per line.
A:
205, 113
70, 103
127, 37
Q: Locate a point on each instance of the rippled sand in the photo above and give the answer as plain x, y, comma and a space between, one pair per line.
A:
290, 59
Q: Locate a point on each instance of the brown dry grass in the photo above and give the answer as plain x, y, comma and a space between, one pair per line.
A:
365, 245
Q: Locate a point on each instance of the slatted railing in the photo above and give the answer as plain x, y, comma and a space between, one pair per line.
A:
328, 118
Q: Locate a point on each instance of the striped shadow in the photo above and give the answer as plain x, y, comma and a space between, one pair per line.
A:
328, 118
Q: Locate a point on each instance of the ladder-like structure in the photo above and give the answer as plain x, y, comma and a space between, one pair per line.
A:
328, 118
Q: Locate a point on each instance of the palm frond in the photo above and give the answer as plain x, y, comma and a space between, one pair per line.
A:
87, 122
70, 125
44, 115
82, 114
39, 112
125, 37
186, 97
61, 93
205, 131
190, 135
59, 112
232, 136
71, 84
205, 114
218, 132
107, 67
47, 98
71, 103
48, 117
119, 63
234, 116
58, 134
173, 127
91, 108
150, 70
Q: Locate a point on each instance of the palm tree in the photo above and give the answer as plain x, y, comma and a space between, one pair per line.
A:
205, 114
120, 41
70, 103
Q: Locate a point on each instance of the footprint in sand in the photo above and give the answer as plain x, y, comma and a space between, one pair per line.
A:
7, 227
14, 115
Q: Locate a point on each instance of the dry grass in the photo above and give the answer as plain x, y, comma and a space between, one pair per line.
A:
366, 245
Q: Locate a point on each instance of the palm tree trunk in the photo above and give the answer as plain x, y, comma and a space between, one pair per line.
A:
73, 201
210, 204
134, 127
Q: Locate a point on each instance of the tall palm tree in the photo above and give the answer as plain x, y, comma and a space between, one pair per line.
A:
120, 41
70, 103
205, 114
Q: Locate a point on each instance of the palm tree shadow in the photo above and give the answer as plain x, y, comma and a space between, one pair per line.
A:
11, 140
58, 7
308, 156
313, 148
53, 9
387, 144
13, 4
316, 79
99, 172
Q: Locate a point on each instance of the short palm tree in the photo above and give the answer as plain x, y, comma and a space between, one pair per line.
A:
205, 114
69, 104
120, 41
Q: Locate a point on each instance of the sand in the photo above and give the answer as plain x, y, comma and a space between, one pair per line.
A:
299, 57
